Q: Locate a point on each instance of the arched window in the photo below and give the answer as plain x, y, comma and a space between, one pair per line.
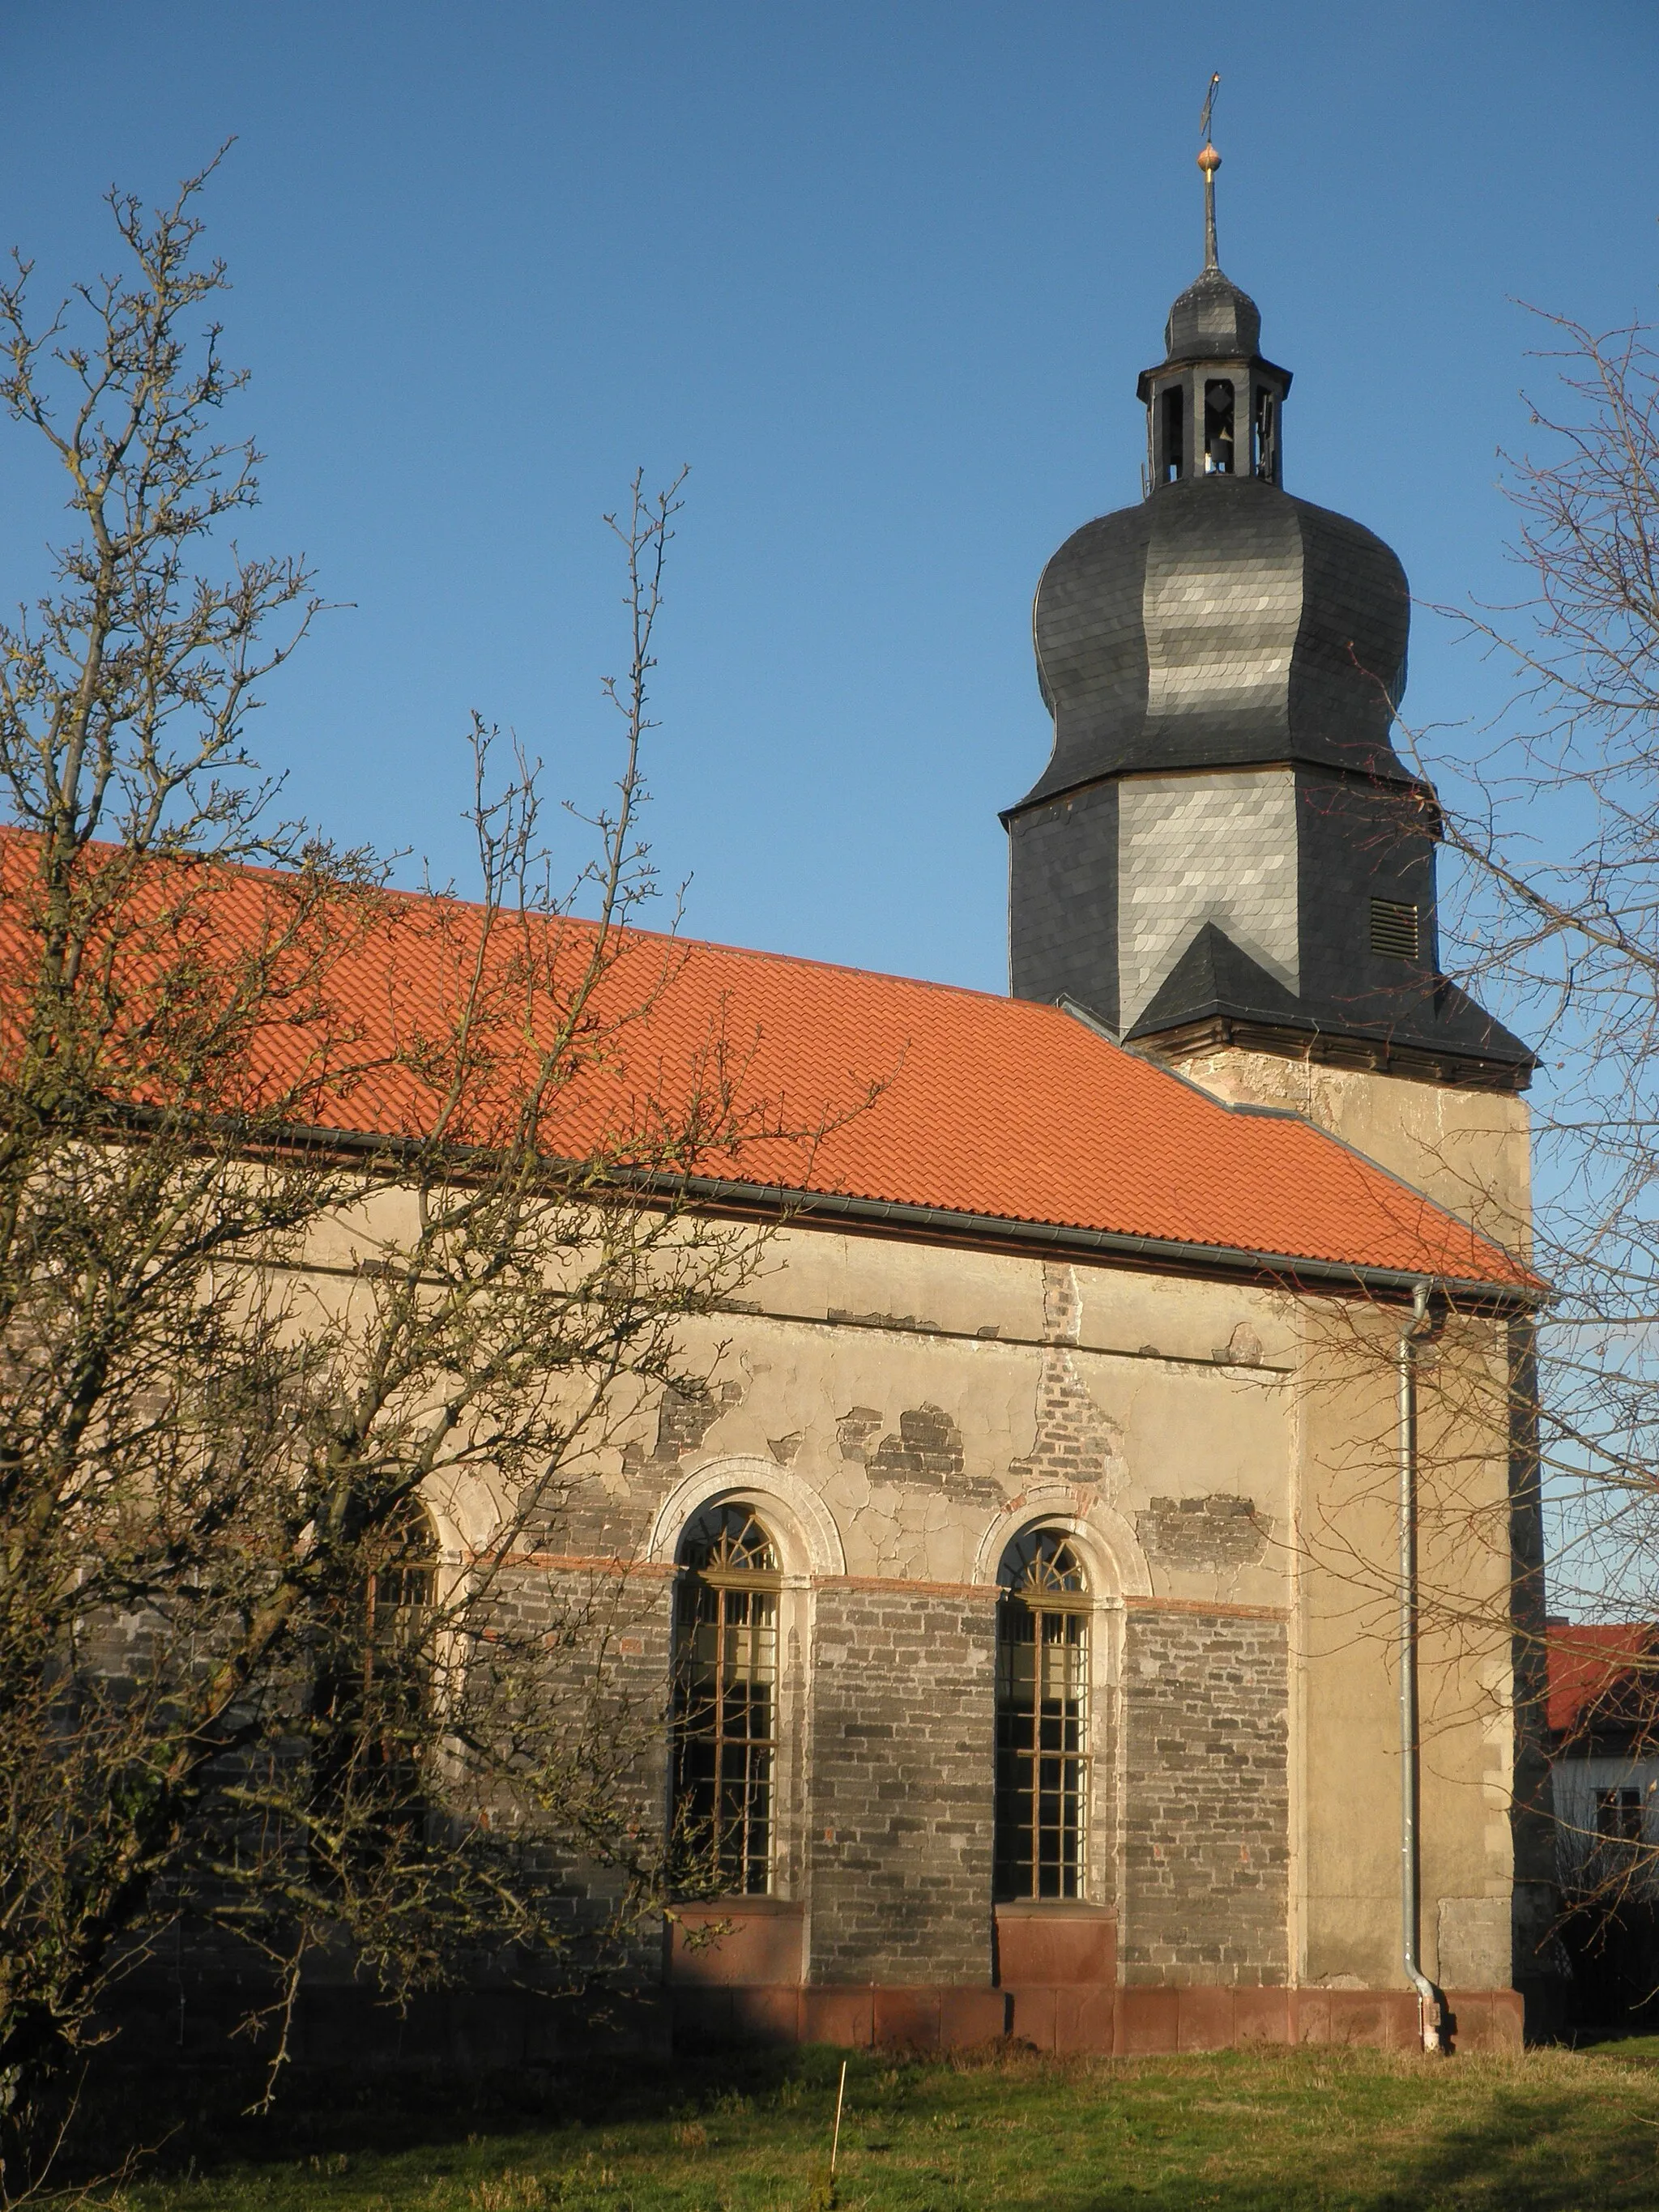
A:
1043, 1719
372, 1697
402, 1580
726, 1695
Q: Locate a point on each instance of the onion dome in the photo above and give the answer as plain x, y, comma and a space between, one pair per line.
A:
1212, 320
1221, 622
1224, 845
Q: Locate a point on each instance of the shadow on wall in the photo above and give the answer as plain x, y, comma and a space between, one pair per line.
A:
1612, 1949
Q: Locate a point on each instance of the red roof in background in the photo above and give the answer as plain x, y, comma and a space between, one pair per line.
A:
988, 1106
1590, 1663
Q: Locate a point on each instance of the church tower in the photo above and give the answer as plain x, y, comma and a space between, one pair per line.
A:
1225, 863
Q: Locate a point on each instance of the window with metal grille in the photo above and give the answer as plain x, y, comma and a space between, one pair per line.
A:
1393, 929
371, 1720
726, 1695
1042, 1719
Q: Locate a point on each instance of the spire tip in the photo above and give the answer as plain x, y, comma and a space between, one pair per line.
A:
1209, 160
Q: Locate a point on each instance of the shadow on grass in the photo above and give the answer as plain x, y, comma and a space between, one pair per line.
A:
1636, 2046
1525, 2150
1341, 2132
1528, 2154
204, 2118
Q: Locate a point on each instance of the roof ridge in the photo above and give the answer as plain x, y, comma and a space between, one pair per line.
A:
809, 960
430, 897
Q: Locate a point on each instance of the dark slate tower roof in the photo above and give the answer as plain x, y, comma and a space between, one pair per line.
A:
1224, 840
1212, 320
1221, 622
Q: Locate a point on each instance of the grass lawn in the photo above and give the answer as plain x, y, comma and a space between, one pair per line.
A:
1554, 2131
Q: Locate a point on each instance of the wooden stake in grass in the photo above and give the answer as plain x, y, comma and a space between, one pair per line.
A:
835, 2141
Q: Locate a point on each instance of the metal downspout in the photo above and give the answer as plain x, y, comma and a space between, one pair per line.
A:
1430, 2009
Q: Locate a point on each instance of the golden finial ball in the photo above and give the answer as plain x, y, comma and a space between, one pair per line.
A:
1209, 160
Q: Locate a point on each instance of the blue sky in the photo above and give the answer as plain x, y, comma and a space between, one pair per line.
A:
883, 275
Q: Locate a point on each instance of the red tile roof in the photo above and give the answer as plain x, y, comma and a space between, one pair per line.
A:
985, 1106
1608, 1665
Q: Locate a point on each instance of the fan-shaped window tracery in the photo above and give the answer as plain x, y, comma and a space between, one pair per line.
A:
726, 1695
1042, 1719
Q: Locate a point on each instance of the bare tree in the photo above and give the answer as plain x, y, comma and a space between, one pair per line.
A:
308, 1216
1556, 825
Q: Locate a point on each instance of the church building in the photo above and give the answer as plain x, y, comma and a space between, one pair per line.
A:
1030, 1596
1082, 1607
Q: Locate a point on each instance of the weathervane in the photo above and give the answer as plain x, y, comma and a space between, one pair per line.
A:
1209, 160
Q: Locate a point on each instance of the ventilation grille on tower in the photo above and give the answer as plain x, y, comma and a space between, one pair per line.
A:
1393, 930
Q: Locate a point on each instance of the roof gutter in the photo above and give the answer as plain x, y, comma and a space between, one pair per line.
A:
730, 1194
1145, 1251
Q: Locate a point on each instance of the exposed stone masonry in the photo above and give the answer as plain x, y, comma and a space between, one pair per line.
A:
927, 1449
1218, 1531
1075, 1442
684, 1418
1206, 1827
591, 1519
629, 1617
854, 1429
900, 1797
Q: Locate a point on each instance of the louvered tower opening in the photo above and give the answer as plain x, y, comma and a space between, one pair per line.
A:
1394, 930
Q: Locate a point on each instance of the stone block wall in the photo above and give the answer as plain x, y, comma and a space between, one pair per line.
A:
917, 1404
620, 1706
899, 1801
1206, 1832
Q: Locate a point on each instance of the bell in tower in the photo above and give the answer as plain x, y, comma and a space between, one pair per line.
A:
1224, 849
1212, 406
